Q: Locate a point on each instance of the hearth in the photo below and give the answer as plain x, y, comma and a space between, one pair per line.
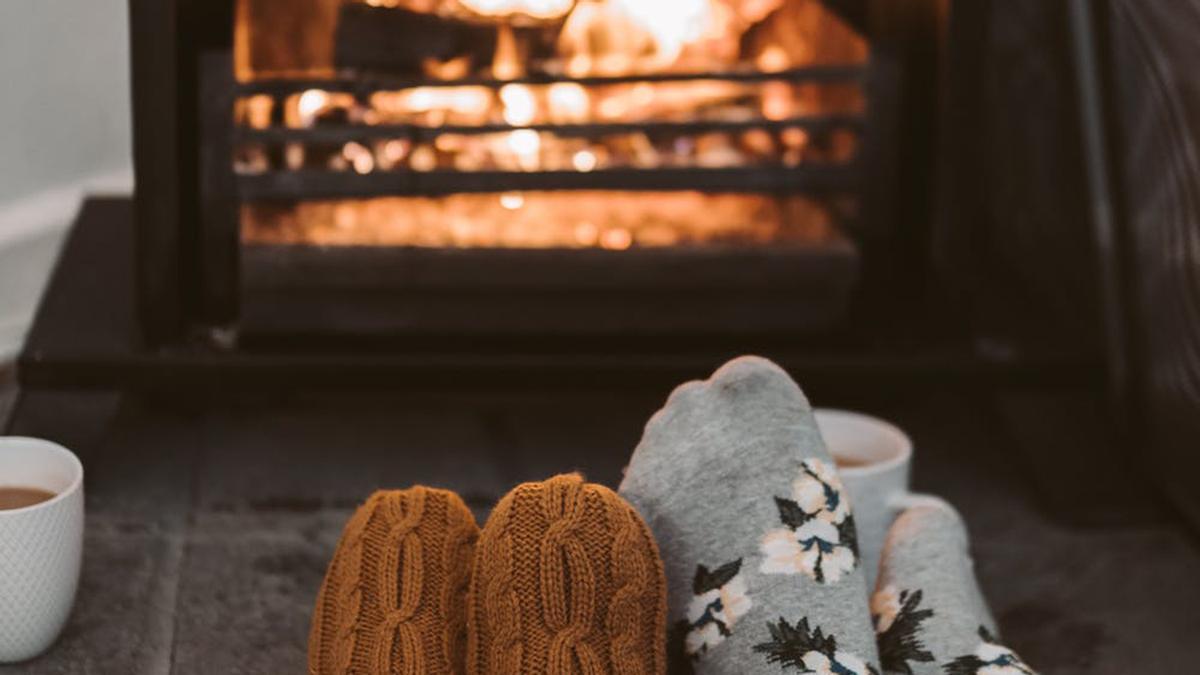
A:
408, 170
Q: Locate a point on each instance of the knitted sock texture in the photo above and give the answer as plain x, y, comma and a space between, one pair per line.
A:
756, 532
393, 597
929, 614
567, 581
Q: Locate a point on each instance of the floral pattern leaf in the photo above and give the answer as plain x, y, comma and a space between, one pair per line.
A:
899, 645
848, 535
833, 498
790, 644
991, 657
964, 665
706, 580
790, 513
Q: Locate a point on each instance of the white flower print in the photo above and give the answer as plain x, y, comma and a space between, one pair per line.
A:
720, 600
1000, 661
818, 538
990, 658
702, 639
814, 549
841, 664
819, 492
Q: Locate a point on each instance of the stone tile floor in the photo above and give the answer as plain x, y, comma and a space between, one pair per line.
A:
210, 523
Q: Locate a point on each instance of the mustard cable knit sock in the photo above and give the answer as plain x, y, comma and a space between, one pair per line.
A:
567, 581
393, 598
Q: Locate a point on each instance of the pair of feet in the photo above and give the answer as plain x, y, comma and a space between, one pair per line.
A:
761, 552
563, 578
756, 548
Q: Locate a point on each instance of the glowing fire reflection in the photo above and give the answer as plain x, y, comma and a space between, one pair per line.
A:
610, 220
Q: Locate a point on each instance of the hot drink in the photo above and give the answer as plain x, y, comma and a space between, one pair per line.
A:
20, 497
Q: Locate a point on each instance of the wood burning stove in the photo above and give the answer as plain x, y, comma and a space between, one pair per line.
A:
329, 172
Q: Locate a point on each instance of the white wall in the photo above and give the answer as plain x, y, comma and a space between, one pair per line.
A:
64, 131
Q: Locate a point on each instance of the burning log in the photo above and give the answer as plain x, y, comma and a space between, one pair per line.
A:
394, 39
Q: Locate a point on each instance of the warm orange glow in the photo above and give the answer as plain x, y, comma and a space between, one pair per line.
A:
585, 161
569, 102
552, 38
538, 9
526, 145
359, 157
310, 103
672, 24
611, 220
520, 106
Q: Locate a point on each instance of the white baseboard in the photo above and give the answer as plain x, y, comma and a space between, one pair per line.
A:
31, 229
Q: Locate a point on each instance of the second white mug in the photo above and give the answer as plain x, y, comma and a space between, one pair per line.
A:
874, 461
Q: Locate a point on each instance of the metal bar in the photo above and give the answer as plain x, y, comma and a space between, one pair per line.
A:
310, 184
158, 161
219, 245
346, 133
367, 83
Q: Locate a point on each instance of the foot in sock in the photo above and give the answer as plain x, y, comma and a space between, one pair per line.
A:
755, 532
393, 597
567, 581
928, 611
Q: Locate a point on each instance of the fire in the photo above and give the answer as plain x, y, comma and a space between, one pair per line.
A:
520, 106
610, 220
537, 9
526, 144
672, 24
550, 39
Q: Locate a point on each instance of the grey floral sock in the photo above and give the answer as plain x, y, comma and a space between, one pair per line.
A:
755, 532
929, 614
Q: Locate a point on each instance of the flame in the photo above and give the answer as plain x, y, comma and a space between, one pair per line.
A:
569, 102
520, 105
585, 161
594, 37
512, 200
613, 220
671, 23
311, 104
773, 59
359, 157
526, 144
538, 9
507, 63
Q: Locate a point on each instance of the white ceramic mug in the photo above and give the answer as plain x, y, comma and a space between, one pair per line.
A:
41, 546
874, 460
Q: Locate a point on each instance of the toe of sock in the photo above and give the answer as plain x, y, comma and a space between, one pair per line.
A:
927, 585
404, 561
566, 571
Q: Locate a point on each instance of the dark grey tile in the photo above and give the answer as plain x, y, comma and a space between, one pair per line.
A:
247, 590
324, 453
540, 436
124, 613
